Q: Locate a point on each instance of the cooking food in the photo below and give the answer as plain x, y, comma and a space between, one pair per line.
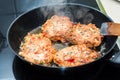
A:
61, 28
37, 49
75, 55
56, 27
85, 34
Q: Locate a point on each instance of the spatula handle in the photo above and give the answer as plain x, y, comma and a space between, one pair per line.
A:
114, 28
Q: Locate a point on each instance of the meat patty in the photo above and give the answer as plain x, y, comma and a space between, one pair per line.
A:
37, 49
85, 34
56, 27
75, 55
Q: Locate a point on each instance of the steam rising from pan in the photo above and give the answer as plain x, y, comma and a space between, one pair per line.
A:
77, 14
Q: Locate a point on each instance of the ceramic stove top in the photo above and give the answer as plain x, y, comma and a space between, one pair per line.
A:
100, 71
13, 68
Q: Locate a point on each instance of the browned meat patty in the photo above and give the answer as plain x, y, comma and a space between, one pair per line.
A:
56, 27
85, 34
75, 55
37, 49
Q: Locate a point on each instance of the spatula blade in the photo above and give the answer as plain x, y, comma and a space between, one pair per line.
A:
110, 29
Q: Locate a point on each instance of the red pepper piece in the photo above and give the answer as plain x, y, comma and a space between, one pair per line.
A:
70, 60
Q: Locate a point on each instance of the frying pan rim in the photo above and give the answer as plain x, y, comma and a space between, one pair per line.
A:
75, 4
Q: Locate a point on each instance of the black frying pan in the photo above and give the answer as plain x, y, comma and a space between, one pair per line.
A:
77, 12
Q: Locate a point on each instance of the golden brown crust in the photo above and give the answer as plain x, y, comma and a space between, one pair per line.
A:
56, 27
75, 55
37, 49
85, 34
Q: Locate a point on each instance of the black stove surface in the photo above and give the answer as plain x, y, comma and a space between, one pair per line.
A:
23, 71
12, 68
101, 71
